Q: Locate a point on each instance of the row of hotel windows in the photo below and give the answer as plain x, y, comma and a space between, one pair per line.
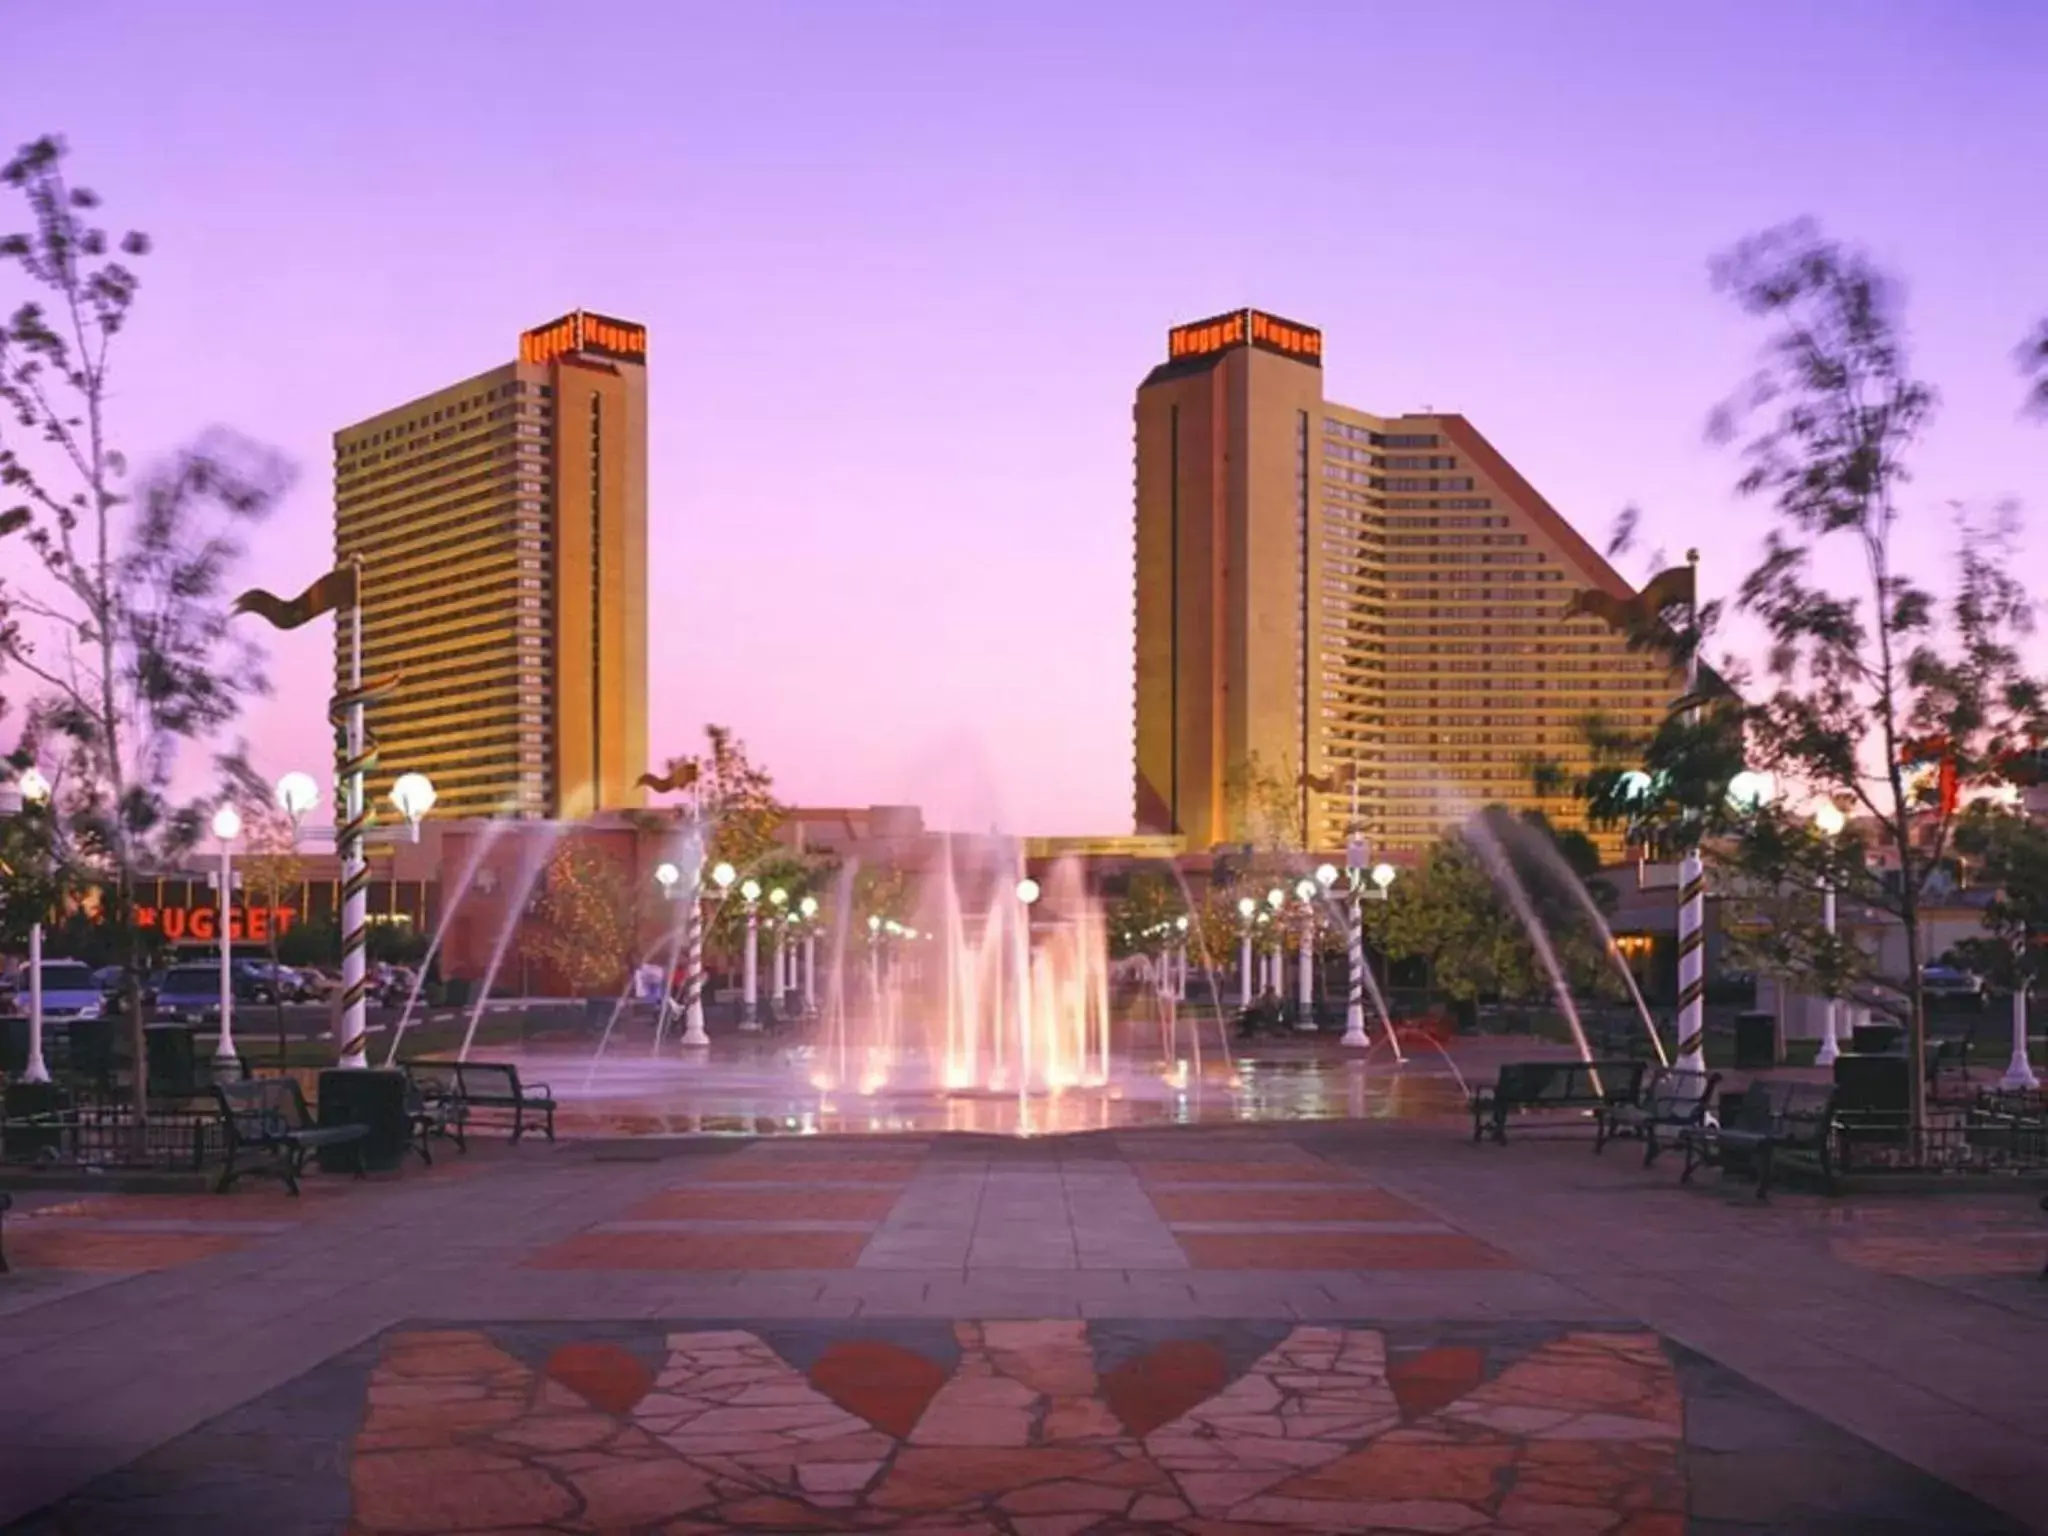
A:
427, 419
1335, 428
1400, 555
533, 433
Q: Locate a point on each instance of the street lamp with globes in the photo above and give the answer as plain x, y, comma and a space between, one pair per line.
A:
413, 796
1828, 821
807, 909
1276, 978
1246, 910
750, 972
227, 826
34, 792
1305, 965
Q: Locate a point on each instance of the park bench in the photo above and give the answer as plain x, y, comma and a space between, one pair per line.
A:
1773, 1120
1579, 1087
435, 1106
6, 1204
492, 1086
266, 1117
1674, 1100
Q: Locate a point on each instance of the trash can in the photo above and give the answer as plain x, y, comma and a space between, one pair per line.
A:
1756, 1041
455, 992
14, 1046
173, 1058
1876, 1039
370, 1096
90, 1045
35, 1114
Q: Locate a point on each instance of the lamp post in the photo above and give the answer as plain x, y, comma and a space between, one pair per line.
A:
1305, 967
1246, 908
35, 791
666, 875
1276, 979
750, 973
413, 795
1027, 896
779, 919
807, 909
1180, 958
722, 875
1828, 821
1749, 791
227, 826
1354, 942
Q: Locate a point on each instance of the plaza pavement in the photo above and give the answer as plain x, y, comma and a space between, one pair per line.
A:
1366, 1325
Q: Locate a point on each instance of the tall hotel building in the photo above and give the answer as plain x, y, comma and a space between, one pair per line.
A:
1364, 595
502, 526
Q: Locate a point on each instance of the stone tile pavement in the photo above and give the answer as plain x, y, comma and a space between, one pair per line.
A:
1362, 1326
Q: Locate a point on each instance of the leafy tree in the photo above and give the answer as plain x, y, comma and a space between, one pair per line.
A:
34, 880
735, 796
272, 874
126, 635
1869, 680
586, 919
1448, 914
2034, 364
2010, 854
1263, 805
1148, 900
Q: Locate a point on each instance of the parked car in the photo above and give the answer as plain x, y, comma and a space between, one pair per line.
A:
110, 977
188, 994
315, 984
1951, 984
390, 985
282, 981
69, 991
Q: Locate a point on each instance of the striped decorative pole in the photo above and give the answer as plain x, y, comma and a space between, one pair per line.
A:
1692, 962
693, 974
1692, 884
357, 755
1354, 1002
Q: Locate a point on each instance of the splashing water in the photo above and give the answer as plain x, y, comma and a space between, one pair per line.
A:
491, 832
1543, 849
533, 862
1502, 869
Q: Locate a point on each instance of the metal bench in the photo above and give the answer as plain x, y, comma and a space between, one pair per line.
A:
1577, 1086
484, 1085
267, 1116
1772, 1117
1674, 1100
435, 1106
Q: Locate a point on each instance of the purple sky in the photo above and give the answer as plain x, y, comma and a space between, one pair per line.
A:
903, 266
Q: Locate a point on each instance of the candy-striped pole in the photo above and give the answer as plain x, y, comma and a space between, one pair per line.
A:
357, 756
1692, 962
1354, 940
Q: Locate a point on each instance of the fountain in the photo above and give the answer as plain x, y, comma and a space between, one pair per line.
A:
984, 1005
1545, 852
1494, 855
999, 988
533, 862
492, 831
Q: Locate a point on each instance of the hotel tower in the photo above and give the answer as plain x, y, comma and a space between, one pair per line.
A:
502, 527
1330, 595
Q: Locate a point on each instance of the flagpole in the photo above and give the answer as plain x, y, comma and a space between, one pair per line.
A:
354, 867
1692, 879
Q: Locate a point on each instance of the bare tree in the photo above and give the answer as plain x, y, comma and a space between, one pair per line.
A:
125, 635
